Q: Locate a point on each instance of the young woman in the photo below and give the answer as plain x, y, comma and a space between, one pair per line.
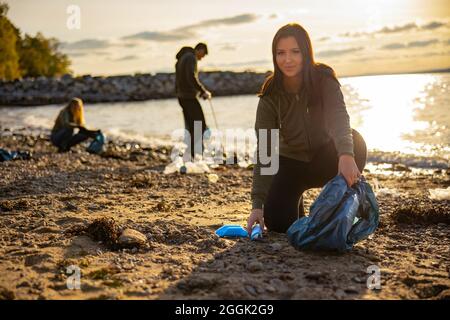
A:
303, 100
70, 118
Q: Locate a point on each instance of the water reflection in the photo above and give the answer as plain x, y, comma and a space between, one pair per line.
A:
404, 113
395, 113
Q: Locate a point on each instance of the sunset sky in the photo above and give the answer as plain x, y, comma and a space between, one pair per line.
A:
353, 36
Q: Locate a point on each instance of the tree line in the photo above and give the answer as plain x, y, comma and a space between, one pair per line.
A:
28, 56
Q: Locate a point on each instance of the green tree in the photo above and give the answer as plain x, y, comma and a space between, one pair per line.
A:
9, 38
39, 56
30, 56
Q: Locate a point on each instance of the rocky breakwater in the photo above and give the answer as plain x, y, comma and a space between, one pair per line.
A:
42, 90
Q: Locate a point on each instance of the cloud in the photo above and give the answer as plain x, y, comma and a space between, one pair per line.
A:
420, 44
243, 64
412, 44
77, 54
427, 54
86, 44
397, 29
190, 31
159, 36
433, 25
353, 34
228, 47
82, 54
323, 39
335, 53
393, 46
126, 58
239, 19
129, 44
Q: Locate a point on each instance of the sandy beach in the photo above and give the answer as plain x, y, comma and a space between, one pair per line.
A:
68, 209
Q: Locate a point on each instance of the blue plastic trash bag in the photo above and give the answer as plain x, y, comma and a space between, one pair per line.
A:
14, 155
232, 231
96, 146
340, 217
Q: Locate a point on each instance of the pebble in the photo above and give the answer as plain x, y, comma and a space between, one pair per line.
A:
250, 289
254, 266
132, 238
276, 246
358, 280
340, 294
351, 290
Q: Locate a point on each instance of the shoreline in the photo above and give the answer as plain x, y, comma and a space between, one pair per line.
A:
138, 87
126, 88
398, 161
47, 200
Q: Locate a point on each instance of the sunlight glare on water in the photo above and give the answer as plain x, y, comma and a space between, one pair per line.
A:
384, 109
406, 113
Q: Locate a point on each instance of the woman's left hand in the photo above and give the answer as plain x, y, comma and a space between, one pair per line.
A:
348, 168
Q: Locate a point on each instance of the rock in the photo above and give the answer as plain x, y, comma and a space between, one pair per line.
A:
317, 276
351, 290
250, 289
120, 88
132, 238
276, 246
281, 288
6, 294
198, 282
358, 280
25, 284
163, 206
191, 203
71, 207
444, 295
270, 289
255, 266
400, 167
340, 294
47, 229
34, 259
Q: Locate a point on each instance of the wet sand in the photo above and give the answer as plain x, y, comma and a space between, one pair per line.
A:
48, 203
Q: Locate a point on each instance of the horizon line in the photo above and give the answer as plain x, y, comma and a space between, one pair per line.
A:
351, 75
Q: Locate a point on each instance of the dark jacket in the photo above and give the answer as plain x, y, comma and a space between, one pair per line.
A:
304, 128
187, 84
64, 120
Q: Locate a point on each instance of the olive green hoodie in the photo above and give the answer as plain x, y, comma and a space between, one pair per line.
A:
304, 128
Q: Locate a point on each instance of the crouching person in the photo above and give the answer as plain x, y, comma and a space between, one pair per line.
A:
70, 119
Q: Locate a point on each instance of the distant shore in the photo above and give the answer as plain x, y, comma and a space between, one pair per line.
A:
138, 87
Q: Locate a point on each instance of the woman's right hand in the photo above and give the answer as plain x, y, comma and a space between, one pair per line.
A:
256, 216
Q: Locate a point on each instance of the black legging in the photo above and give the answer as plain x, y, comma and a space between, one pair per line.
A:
192, 111
284, 202
64, 138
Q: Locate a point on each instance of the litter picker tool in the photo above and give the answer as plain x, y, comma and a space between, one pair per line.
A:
213, 113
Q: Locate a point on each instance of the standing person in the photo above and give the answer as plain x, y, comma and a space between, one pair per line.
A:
69, 119
303, 100
188, 87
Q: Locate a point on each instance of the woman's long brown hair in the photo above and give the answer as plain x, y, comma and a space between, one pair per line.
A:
311, 71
